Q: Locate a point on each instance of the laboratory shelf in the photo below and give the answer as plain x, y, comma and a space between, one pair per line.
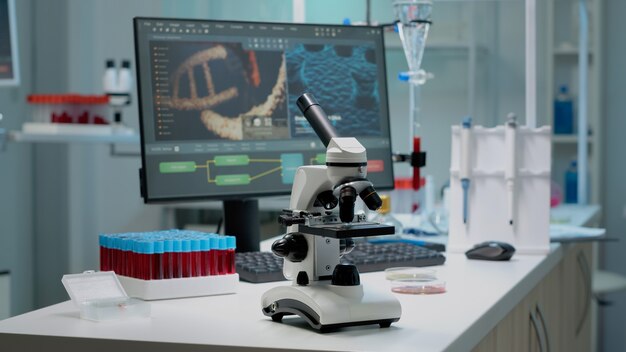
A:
568, 139
18, 136
607, 282
392, 41
569, 51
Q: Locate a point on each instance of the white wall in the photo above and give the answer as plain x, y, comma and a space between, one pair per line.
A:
16, 196
98, 192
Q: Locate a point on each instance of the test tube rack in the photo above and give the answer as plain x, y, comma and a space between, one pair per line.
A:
170, 264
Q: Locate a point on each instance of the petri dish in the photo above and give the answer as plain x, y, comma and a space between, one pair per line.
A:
400, 273
418, 286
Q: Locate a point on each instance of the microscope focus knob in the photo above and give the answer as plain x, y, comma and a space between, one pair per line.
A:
346, 275
292, 247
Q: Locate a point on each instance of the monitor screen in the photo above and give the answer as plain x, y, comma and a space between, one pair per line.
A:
218, 104
9, 70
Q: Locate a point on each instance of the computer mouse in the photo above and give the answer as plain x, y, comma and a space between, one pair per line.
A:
491, 250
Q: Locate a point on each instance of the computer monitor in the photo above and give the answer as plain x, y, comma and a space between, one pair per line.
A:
9, 62
218, 114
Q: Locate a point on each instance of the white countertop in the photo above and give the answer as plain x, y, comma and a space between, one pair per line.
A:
479, 295
575, 215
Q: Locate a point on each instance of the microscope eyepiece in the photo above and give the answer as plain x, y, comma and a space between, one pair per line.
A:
371, 198
317, 117
347, 198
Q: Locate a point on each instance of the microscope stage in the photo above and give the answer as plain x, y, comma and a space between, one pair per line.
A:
365, 229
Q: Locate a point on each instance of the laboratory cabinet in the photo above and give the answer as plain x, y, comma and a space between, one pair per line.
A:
555, 315
561, 59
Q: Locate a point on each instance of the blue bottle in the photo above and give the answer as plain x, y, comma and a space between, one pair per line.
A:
571, 183
563, 112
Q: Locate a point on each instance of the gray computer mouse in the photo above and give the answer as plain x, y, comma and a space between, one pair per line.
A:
491, 250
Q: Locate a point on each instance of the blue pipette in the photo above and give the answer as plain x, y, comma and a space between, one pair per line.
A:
464, 172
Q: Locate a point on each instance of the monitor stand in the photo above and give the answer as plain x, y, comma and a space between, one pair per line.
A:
241, 219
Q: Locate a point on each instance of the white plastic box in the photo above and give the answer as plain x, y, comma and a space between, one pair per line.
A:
99, 296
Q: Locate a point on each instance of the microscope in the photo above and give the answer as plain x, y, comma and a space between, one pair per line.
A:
321, 224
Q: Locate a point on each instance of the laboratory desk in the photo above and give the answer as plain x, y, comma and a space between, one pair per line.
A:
488, 306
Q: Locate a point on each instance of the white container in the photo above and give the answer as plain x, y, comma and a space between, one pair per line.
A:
489, 201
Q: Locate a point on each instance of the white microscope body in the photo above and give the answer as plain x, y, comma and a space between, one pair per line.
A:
320, 224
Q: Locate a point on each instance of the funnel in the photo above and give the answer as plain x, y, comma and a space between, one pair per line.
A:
414, 22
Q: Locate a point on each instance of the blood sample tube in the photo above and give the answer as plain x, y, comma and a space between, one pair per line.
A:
215, 246
117, 256
205, 247
122, 256
130, 257
186, 257
126, 252
221, 256
115, 264
168, 269
157, 259
148, 254
177, 258
196, 257
138, 270
104, 255
109, 243
230, 254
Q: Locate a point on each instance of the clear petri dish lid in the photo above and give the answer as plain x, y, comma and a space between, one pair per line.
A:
418, 286
400, 273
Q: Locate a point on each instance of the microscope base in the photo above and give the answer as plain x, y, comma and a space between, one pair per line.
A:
328, 307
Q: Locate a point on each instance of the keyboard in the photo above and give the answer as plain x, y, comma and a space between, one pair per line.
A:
258, 267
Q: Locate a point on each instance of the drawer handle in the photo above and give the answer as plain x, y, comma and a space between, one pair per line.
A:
544, 327
583, 265
540, 337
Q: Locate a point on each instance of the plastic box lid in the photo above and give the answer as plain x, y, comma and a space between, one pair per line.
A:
93, 286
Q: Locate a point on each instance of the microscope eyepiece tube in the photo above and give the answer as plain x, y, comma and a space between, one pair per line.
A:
317, 117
